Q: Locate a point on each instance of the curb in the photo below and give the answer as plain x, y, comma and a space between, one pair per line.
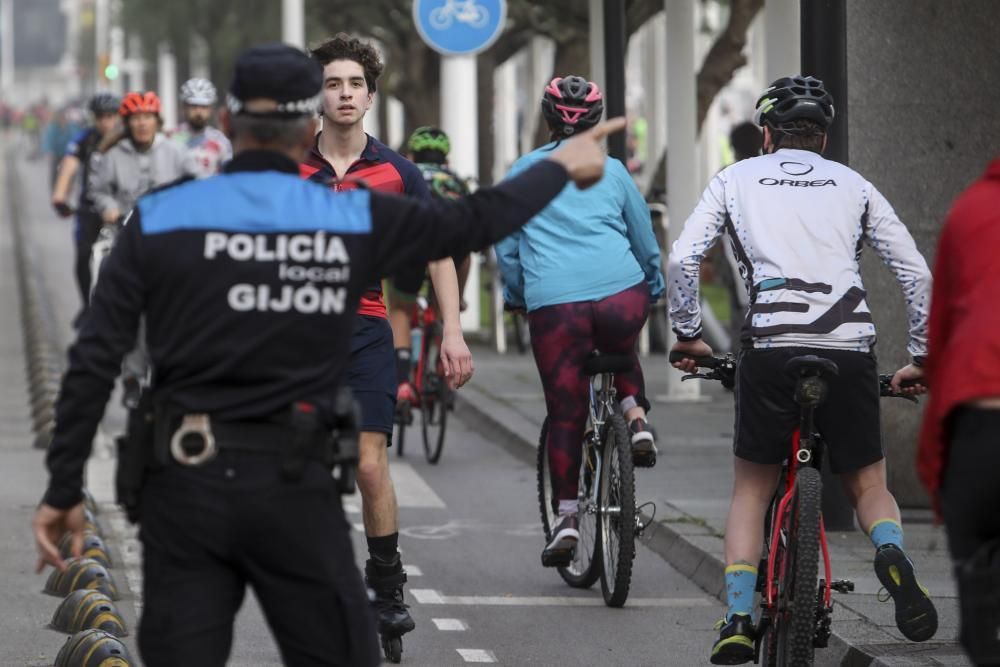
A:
675, 541
44, 363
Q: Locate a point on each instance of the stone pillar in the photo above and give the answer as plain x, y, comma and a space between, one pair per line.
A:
924, 93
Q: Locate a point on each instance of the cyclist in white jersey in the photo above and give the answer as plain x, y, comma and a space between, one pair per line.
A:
797, 223
208, 148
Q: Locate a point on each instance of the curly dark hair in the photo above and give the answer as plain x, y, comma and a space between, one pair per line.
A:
344, 47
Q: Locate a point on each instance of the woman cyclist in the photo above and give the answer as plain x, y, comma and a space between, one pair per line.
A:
585, 269
128, 166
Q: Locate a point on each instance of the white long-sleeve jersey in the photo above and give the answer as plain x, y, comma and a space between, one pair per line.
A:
797, 224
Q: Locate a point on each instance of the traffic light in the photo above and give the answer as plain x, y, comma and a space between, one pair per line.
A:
107, 69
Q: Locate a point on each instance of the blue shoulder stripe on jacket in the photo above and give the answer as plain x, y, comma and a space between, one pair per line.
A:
255, 202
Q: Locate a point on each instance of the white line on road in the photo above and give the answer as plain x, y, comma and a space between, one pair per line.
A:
426, 596
431, 596
450, 624
413, 570
476, 655
411, 489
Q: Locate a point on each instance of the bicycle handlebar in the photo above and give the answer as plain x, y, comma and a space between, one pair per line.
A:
724, 370
885, 387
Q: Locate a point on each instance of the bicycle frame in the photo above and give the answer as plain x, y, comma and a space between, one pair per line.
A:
804, 451
601, 405
424, 316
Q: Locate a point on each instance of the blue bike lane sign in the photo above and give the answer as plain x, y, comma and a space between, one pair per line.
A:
459, 27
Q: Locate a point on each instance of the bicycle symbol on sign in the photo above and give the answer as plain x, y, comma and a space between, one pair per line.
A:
463, 11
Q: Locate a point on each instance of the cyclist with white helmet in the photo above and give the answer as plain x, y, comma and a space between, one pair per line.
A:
208, 148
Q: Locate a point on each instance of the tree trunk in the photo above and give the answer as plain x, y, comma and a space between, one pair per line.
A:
419, 87
721, 62
486, 67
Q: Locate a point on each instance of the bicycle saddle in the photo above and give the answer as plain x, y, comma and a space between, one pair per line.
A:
810, 364
597, 363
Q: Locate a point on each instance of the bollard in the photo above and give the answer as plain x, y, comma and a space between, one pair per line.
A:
93, 647
88, 610
82, 573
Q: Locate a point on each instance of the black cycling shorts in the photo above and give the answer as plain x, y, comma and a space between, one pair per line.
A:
767, 414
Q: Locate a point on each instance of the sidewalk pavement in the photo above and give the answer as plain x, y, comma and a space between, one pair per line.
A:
690, 486
25, 638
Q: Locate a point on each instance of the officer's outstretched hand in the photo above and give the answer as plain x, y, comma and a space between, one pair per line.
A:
583, 155
49, 525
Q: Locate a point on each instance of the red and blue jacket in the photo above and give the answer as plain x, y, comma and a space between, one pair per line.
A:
379, 168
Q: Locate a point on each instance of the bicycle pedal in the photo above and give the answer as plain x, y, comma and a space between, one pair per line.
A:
557, 558
842, 586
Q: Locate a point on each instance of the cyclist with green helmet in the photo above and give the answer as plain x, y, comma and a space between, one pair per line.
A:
428, 148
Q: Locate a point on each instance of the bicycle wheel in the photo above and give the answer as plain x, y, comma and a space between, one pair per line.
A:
617, 512
791, 640
585, 568
435, 396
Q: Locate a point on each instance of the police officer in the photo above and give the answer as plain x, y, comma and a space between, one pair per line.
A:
248, 282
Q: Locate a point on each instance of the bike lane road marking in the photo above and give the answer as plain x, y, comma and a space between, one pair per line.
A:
430, 596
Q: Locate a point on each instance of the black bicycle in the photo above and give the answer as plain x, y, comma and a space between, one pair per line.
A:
796, 609
609, 520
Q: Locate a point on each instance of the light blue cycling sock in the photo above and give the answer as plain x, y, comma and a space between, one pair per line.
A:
886, 531
741, 580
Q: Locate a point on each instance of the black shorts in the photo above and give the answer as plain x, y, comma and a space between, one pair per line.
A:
371, 373
767, 414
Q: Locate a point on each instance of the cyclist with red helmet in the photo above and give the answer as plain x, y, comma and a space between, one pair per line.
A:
136, 161
128, 166
585, 269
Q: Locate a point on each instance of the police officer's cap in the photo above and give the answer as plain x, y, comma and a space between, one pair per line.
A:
275, 80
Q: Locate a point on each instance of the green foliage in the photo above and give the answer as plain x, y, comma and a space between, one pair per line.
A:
228, 26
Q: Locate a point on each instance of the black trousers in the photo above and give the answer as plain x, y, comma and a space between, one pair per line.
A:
208, 532
88, 226
970, 494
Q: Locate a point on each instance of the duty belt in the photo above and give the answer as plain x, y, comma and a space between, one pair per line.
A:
198, 440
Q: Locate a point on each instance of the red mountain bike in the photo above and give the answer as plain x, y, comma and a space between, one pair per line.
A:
434, 397
796, 609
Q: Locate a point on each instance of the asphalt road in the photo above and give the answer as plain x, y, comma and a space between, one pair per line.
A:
470, 537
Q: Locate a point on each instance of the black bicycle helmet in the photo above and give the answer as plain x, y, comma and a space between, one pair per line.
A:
104, 103
794, 98
572, 104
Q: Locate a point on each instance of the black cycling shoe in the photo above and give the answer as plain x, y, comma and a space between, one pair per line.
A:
561, 548
391, 612
735, 643
916, 616
643, 444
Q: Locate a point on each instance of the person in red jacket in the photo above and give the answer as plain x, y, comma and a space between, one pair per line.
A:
960, 442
